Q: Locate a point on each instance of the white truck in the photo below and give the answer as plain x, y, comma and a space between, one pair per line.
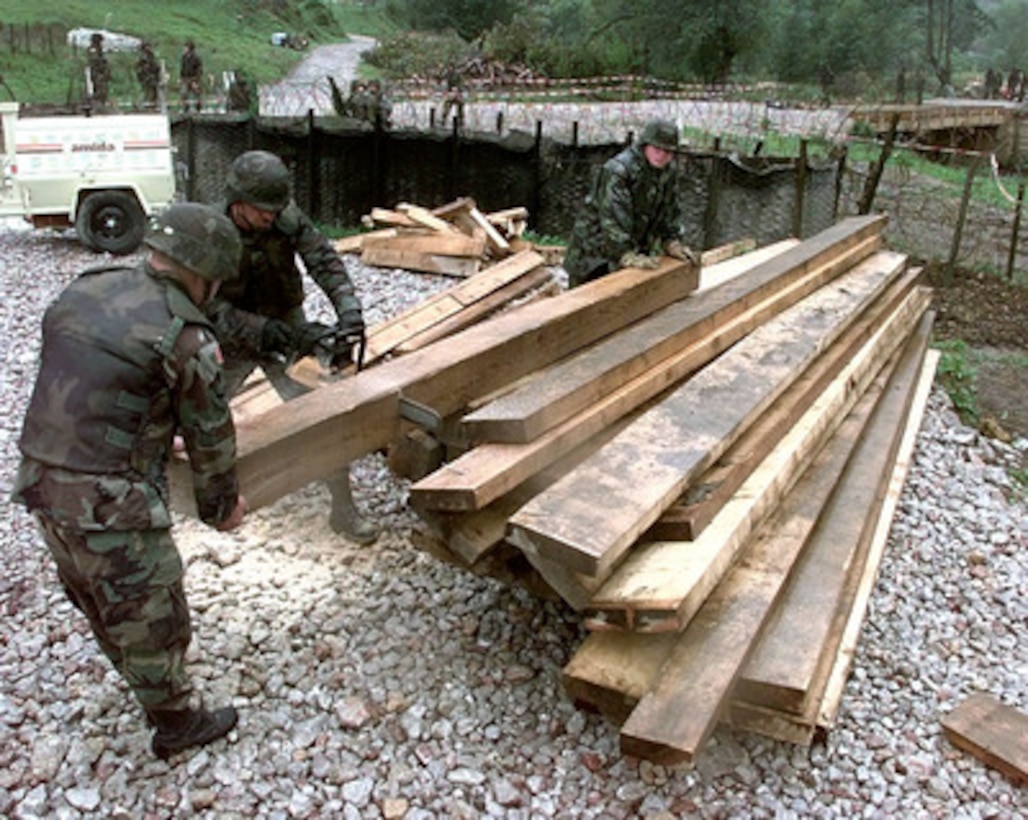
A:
104, 174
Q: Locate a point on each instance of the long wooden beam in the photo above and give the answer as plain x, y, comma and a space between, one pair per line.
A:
662, 584
591, 517
318, 433
559, 392
489, 471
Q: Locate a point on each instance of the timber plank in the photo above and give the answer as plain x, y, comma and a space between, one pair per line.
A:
643, 470
495, 239
802, 639
558, 393
995, 733
596, 669
490, 470
705, 498
662, 584
424, 217
390, 257
437, 244
352, 244
319, 432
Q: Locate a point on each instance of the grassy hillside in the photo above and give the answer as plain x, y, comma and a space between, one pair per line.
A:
39, 67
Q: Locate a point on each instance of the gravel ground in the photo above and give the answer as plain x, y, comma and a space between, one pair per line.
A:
377, 682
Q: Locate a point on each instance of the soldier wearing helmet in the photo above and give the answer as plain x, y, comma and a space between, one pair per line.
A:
128, 359
260, 316
632, 213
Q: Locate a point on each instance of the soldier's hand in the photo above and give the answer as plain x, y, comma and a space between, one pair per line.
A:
631, 259
351, 323
677, 250
309, 335
277, 337
235, 518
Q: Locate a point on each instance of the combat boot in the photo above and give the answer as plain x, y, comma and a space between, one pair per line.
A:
182, 728
344, 518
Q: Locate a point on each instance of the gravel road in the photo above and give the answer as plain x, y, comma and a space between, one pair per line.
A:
377, 682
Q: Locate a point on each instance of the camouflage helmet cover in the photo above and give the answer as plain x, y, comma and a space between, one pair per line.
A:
198, 238
258, 178
660, 134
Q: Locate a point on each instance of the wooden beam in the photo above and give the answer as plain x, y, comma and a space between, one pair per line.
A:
995, 733
558, 393
642, 471
318, 433
433, 244
663, 584
352, 244
708, 495
426, 218
495, 239
387, 257
800, 644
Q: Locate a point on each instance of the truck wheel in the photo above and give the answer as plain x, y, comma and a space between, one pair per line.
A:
111, 221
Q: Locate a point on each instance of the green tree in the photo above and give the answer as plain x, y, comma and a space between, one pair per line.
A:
1005, 43
469, 18
950, 26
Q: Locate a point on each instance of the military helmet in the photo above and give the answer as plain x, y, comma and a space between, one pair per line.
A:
660, 134
198, 238
258, 178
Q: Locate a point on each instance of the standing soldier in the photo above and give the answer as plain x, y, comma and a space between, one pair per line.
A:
148, 72
128, 359
190, 75
632, 212
99, 69
260, 317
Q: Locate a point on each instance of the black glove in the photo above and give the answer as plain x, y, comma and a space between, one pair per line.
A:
277, 337
351, 323
308, 335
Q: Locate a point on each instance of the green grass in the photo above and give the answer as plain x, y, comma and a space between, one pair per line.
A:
38, 66
956, 373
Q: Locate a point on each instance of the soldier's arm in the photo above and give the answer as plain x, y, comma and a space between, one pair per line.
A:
239, 331
322, 262
205, 423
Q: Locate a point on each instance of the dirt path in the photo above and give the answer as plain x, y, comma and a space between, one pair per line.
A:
306, 87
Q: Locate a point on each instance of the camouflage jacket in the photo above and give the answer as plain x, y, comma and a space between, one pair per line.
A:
148, 70
127, 361
270, 284
632, 206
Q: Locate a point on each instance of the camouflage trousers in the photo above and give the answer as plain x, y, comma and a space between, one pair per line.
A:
129, 586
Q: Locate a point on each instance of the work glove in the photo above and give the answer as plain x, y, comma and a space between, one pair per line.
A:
277, 338
677, 250
631, 259
351, 324
308, 335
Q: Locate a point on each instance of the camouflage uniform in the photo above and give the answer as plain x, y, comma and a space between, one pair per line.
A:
148, 72
99, 70
632, 207
127, 360
190, 74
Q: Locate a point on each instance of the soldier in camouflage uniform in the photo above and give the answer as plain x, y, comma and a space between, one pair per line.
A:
260, 317
190, 74
128, 358
148, 72
632, 213
99, 69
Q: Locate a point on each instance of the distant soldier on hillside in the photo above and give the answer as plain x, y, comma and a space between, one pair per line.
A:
148, 72
99, 69
190, 74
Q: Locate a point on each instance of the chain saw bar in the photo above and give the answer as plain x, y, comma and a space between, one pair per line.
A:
334, 348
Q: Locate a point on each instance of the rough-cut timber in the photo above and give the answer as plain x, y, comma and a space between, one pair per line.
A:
644, 469
316, 434
709, 494
663, 583
798, 646
993, 732
569, 387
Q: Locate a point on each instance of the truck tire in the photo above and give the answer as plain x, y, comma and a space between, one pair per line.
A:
111, 221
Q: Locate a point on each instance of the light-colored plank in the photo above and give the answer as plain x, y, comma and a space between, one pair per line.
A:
642, 471
424, 217
352, 244
388, 257
437, 244
995, 733
667, 581
801, 641
317, 433
495, 239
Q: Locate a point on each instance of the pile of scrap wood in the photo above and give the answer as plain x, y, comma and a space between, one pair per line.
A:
707, 480
455, 239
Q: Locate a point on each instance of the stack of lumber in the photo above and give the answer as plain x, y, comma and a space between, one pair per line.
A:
705, 487
708, 480
455, 239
